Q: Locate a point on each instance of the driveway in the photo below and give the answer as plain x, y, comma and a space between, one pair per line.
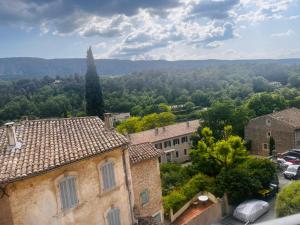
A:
270, 215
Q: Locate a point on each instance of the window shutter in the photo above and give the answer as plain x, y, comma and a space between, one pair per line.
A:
113, 217
68, 193
108, 176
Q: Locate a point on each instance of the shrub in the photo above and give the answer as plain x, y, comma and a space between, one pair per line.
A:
288, 200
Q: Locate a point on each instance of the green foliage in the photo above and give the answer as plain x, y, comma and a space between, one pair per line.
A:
177, 198
136, 124
294, 80
189, 106
288, 200
246, 179
265, 103
260, 84
211, 156
93, 91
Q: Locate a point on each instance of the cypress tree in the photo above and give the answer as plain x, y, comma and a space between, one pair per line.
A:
93, 92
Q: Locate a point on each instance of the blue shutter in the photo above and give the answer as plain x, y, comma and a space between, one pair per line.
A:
68, 193
108, 176
113, 217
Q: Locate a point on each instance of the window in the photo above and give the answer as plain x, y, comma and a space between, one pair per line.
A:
68, 193
268, 122
177, 154
184, 139
113, 216
157, 217
176, 141
167, 144
158, 146
108, 176
185, 152
159, 159
265, 146
269, 134
144, 196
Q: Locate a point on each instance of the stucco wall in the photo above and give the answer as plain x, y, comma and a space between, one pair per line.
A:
178, 147
5, 212
257, 130
35, 201
146, 175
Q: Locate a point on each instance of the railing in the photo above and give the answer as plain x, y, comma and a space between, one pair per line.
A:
289, 220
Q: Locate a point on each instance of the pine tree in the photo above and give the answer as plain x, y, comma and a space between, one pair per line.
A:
93, 92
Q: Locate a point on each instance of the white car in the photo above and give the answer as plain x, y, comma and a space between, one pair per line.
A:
251, 210
283, 163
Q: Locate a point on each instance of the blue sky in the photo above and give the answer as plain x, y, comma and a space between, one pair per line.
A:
150, 29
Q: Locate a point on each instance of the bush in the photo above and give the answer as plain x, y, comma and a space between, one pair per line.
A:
177, 198
288, 200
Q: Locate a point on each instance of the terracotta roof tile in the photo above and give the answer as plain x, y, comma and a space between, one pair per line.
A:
166, 132
47, 144
144, 151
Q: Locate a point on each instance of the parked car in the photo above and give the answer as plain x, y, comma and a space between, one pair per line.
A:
251, 210
293, 152
292, 159
292, 172
283, 164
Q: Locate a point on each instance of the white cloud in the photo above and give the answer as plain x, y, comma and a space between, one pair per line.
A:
283, 34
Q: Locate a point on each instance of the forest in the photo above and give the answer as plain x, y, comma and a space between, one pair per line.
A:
219, 95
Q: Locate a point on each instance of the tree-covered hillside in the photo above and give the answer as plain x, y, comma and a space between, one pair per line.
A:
243, 90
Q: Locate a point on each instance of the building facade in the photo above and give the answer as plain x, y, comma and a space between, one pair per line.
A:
146, 181
64, 172
283, 127
174, 140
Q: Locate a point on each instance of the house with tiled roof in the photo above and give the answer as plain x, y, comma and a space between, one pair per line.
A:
64, 171
146, 182
283, 126
173, 139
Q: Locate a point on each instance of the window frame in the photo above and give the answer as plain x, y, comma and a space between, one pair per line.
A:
167, 144
176, 141
160, 216
184, 139
107, 221
101, 178
57, 182
146, 191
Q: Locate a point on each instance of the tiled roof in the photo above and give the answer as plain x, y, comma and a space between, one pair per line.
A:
290, 116
142, 152
164, 133
51, 143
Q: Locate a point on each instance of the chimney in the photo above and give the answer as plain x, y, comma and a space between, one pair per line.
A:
156, 130
108, 121
11, 134
188, 123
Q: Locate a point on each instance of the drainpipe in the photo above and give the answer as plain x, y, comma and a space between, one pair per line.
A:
128, 185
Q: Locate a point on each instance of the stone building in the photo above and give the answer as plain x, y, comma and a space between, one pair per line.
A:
64, 172
146, 181
282, 126
174, 140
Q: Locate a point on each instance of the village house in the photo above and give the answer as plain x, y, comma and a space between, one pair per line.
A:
282, 126
146, 181
173, 139
66, 171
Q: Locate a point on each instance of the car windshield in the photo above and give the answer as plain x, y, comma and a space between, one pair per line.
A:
292, 169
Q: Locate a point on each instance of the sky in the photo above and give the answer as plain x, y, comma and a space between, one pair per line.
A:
150, 29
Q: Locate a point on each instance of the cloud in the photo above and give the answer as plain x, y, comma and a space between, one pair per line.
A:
283, 34
213, 9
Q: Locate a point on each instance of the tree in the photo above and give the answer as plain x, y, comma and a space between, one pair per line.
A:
288, 200
211, 156
93, 92
294, 80
200, 98
265, 103
189, 106
272, 145
260, 84
246, 179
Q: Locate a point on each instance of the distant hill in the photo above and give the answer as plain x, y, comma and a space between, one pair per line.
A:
26, 67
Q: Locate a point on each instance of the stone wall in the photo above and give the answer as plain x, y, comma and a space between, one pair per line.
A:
259, 129
35, 201
146, 175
